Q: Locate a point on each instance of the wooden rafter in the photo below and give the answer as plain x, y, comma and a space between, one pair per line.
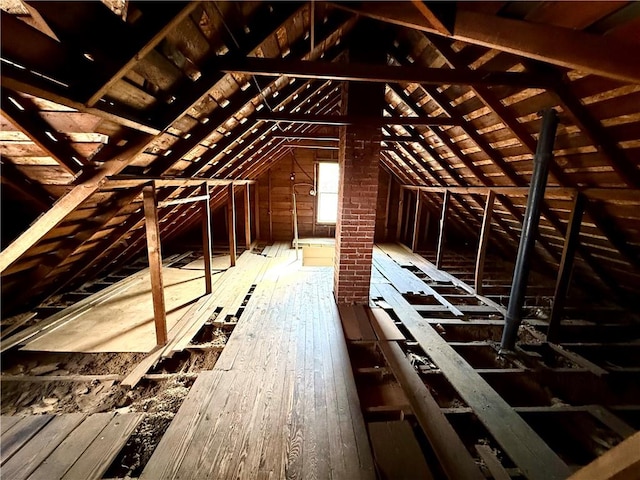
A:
556, 45
23, 114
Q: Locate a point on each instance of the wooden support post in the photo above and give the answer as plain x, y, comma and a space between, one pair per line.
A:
484, 240
388, 208
247, 217
427, 227
155, 262
231, 215
571, 241
443, 221
399, 219
269, 213
256, 209
206, 239
416, 223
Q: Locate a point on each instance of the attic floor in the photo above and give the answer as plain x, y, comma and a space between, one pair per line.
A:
288, 396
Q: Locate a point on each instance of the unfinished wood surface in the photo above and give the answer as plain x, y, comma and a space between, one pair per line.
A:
622, 462
124, 323
17, 436
206, 238
403, 279
231, 224
247, 217
384, 326
281, 400
33, 453
154, 252
397, 452
443, 222
527, 450
454, 458
484, 240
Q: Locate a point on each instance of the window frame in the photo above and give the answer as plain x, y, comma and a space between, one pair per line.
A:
319, 192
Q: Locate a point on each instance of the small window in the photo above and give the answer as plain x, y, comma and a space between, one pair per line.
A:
328, 178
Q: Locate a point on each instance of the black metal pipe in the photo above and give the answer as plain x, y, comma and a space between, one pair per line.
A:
544, 154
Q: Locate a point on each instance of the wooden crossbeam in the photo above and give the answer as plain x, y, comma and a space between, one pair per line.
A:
560, 46
345, 120
356, 72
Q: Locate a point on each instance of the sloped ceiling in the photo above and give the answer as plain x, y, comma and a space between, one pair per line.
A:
99, 100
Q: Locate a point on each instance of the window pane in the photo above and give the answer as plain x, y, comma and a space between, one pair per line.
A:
328, 177
327, 207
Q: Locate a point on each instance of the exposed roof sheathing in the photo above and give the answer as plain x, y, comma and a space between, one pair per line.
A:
95, 103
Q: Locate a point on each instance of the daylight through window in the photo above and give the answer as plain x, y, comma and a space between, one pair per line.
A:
328, 175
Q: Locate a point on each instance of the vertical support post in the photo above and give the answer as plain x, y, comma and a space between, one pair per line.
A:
484, 240
269, 209
256, 209
206, 238
400, 211
416, 223
155, 262
427, 226
247, 217
387, 209
443, 222
231, 213
544, 154
571, 241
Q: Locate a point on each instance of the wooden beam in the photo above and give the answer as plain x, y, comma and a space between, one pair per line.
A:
181, 201
360, 72
206, 238
127, 181
571, 241
484, 241
269, 205
155, 263
453, 456
622, 462
518, 440
256, 209
416, 223
231, 223
155, 36
400, 213
431, 17
24, 114
346, 120
556, 45
247, 217
443, 221
65, 205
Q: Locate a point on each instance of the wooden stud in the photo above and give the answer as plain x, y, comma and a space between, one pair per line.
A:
571, 242
443, 221
231, 224
416, 224
400, 211
247, 217
484, 241
269, 213
256, 209
155, 262
388, 207
206, 238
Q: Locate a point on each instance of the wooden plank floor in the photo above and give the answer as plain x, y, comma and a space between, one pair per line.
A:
281, 402
70, 446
